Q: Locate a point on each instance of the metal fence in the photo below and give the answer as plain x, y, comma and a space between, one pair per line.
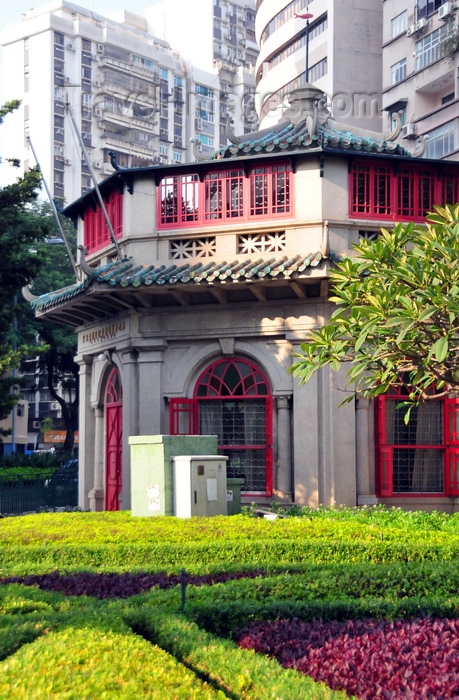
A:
30, 495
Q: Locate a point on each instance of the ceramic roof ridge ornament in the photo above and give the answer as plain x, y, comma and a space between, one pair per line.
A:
307, 104
87, 269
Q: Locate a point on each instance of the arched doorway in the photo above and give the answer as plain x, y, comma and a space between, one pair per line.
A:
234, 402
113, 440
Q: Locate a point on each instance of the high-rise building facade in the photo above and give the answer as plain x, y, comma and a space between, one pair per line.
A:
122, 89
420, 69
344, 56
223, 39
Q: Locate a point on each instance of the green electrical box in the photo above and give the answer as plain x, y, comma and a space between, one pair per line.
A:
151, 468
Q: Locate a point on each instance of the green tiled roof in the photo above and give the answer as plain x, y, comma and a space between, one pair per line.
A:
125, 273
290, 137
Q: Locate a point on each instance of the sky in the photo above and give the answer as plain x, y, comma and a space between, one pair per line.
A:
12, 11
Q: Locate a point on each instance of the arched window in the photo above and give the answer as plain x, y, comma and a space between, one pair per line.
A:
232, 400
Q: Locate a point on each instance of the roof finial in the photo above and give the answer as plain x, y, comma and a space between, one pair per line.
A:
113, 162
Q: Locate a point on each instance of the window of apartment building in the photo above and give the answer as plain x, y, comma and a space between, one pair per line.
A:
178, 157
315, 29
318, 70
432, 47
421, 456
59, 40
59, 94
399, 24
409, 193
142, 62
204, 109
206, 140
398, 71
164, 74
428, 7
440, 141
225, 195
59, 67
448, 98
204, 90
278, 21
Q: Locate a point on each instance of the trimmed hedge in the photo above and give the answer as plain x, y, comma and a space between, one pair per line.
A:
238, 672
91, 663
200, 557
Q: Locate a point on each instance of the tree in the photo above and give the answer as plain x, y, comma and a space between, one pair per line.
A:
397, 321
55, 362
20, 263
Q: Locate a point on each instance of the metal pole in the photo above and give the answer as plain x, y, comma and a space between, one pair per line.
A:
15, 372
53, 207
307, 16
94, 179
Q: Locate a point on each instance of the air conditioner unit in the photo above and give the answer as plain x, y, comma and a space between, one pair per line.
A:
421, 23
411, 30
54, 406
198, 146
68, 161
36, 424
156, 78
199, 124
445, 10
97, 164
96, 83
98, 112
95, 57
100, 48
409, 131
70, 47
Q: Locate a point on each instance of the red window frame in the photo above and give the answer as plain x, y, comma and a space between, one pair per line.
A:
406, 193
223, 195
96, 233
449, 446
211, 386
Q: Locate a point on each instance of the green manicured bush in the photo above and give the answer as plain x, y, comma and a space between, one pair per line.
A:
238, 672
334, 564
91, 663
199, 557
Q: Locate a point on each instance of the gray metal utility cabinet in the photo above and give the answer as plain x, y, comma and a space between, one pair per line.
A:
151, 468
199, 485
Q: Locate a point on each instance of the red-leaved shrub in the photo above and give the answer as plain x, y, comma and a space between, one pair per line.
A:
406, 659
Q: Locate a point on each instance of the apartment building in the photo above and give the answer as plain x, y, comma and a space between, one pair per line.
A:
222, 40
420, 69
344, 57
113, 82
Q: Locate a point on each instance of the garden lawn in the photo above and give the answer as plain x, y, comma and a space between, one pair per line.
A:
236, 607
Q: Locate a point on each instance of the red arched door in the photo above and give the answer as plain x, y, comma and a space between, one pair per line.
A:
113, 440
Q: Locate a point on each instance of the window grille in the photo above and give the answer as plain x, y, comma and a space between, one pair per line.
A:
193, 248
261, 242
421, 456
